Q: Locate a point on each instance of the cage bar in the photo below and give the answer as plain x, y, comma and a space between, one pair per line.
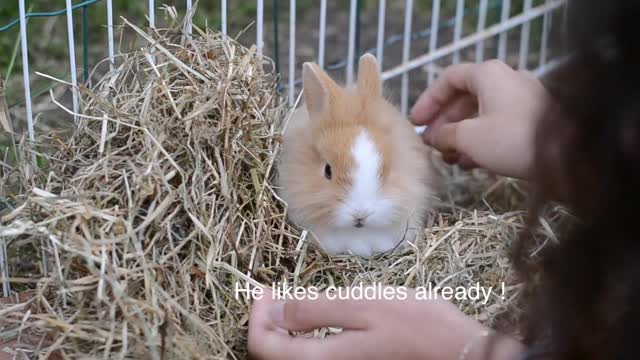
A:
152, 24
25, 74
85, 44
473, 39
524, 38
382, 4
292, 51
482, 23
4, 269
223, 13
152, 14
502, 40
27, 99
72, 58
112, 56
433, 36
190, 17
544, 41
406, 48
103, 131
259, 27
276, 35
358, 26
351, 53
323, 30
457, 31
550, 66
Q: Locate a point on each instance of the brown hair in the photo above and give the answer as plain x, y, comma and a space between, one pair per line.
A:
583, 297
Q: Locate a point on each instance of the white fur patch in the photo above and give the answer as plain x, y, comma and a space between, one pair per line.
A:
366, 172
365, 198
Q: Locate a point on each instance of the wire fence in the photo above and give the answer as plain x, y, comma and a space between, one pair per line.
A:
481, 9
434, 49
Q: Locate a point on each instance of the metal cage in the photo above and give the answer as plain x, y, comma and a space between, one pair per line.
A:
425, 45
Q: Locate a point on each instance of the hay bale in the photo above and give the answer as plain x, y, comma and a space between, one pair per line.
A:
161, 202
161, 189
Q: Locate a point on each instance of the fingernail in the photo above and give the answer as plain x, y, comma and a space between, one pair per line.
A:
276, 312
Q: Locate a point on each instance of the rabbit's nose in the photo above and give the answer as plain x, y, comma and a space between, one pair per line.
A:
360, 218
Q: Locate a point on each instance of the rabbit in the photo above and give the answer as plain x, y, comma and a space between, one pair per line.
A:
352, 170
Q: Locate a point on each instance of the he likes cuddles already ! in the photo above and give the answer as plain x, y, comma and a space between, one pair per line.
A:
353, 171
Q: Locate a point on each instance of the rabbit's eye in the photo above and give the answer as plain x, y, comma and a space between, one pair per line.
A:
327, 171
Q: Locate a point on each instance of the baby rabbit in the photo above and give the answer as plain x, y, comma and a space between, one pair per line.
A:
352, 169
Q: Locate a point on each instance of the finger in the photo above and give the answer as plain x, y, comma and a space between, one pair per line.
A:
259, 315
455, 137
267, 340
463, 107
529, 74
451, 158
466, 163
271, 345
453, 81
312, 313
444, 138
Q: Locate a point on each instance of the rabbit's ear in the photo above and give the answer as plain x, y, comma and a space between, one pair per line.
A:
318, 88
369, 80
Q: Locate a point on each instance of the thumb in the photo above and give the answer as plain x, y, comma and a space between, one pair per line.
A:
323, 311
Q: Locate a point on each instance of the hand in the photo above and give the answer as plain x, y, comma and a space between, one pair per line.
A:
372, 329
483, 115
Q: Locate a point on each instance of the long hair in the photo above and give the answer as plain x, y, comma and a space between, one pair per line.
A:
583, 300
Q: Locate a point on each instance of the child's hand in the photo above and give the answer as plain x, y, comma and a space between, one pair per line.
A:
483, 115
372, 329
